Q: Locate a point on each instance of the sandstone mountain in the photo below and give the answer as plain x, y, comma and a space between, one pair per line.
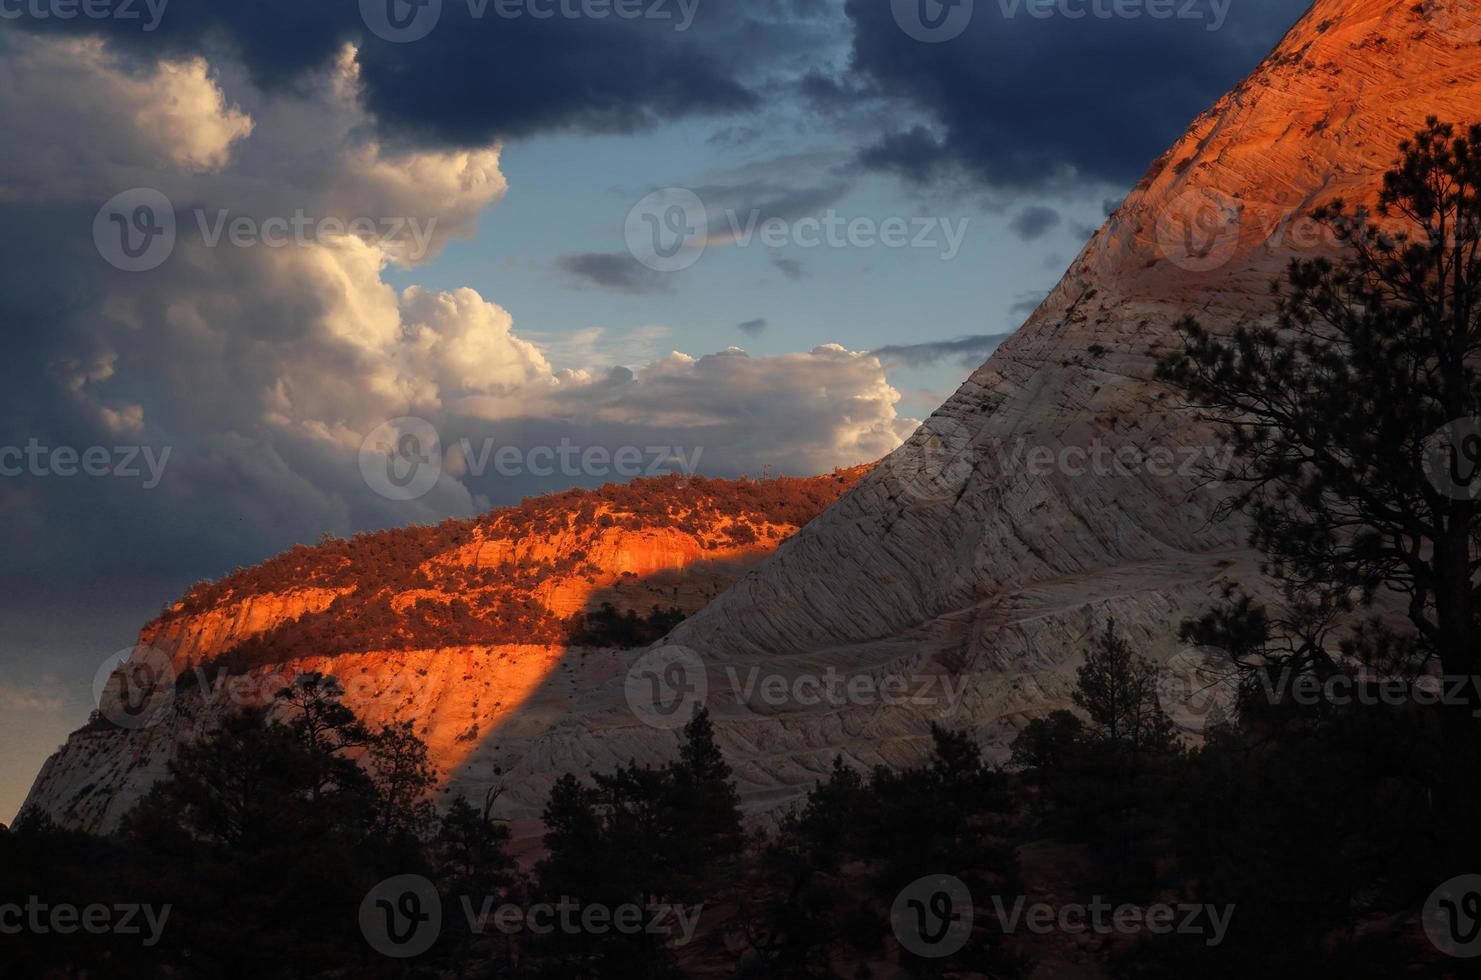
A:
1060, 485
472, 627
958, 579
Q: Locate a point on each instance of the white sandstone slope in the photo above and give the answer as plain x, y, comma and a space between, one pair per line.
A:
986, 549
1059, 486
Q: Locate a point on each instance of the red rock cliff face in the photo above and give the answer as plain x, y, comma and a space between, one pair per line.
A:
462, 627
202, 636
513, 576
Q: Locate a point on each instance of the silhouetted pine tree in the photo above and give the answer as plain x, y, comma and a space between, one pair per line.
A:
1118, 690
1333, 413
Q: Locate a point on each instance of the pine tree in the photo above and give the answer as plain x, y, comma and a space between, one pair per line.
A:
1354, 422
403, 777
705, 807
1118, 690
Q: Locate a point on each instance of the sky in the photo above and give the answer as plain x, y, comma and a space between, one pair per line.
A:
252, 248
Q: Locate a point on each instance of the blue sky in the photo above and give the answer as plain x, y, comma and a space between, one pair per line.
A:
861, 297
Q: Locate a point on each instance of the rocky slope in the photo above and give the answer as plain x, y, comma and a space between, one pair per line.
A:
958, 580
1059, 486
470, 627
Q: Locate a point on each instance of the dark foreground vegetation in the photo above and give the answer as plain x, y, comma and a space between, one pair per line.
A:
1314, 829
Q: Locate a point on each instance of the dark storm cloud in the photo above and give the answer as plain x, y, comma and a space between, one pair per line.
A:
82, 530
617, 271
276, 39
476, 79
1034, 221
478, 75
1023, 101
969, 351
752, 328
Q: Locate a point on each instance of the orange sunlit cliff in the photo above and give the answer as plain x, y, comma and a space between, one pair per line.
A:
455, 625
